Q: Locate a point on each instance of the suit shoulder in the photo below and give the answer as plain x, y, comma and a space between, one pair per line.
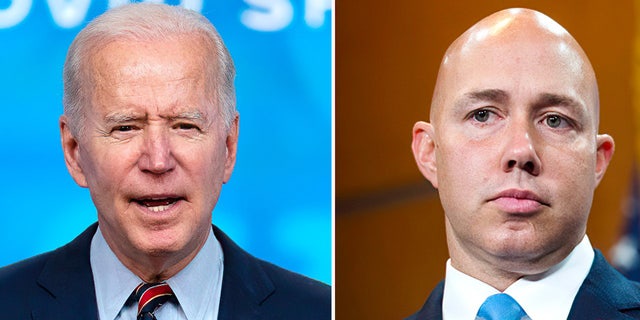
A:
297, 290
22, 272
18, 284
276, 293
296, 283
246, 266
22, 281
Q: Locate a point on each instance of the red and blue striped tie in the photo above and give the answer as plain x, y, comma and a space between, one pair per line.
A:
150, 297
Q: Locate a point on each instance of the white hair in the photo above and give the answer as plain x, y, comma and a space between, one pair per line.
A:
145, 22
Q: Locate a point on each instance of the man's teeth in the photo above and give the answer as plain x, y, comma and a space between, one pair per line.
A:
157, 205
159, 208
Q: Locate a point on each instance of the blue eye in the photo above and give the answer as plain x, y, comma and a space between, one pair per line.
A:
554, 121
481, 115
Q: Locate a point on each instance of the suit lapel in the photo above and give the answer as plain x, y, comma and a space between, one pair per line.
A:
245, 285
432, 309
606, 294
67, 282
589, 305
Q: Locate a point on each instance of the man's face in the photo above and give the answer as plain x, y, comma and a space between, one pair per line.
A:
154, 152
513, 151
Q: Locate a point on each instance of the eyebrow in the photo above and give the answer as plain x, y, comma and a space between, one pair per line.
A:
494, 95
487, 95
120, 117
123, 117
502, 97
552, 99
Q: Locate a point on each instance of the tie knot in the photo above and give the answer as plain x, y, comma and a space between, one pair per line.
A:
501, 306
150, 297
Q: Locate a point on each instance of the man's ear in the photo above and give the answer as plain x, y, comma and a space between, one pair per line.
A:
604, 152
70, 149
232, 147
424, 151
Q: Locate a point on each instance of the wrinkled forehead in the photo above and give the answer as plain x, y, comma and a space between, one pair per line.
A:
517, 52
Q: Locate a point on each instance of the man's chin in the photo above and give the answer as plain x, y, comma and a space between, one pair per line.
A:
160, 252
157, 245
525, 260
167, 244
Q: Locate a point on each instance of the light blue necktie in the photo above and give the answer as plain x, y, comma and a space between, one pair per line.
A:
501, 306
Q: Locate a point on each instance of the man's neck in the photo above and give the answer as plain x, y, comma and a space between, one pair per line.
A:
155, 266
502, 271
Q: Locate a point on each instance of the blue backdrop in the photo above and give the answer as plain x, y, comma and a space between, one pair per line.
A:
278, 202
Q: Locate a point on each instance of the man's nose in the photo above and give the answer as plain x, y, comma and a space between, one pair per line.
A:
520, 151
157, 156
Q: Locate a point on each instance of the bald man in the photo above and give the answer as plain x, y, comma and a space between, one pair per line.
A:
513, 149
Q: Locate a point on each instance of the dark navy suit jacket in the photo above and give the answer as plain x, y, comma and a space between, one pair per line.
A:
59, 285
605, 294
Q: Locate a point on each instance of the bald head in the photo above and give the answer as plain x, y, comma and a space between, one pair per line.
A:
503, 51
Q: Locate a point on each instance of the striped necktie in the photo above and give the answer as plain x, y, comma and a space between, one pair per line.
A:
150, 297
501, 306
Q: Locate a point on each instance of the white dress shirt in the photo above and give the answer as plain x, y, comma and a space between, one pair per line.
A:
197, 287
547, 296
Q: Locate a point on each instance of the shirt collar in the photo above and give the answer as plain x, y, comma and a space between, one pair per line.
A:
114, 282
192, 286
545, 296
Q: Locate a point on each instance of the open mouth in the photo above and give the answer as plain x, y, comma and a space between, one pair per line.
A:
157, 204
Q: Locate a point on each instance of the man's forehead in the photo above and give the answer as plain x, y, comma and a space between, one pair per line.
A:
515, 49
509, 25
117, 57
